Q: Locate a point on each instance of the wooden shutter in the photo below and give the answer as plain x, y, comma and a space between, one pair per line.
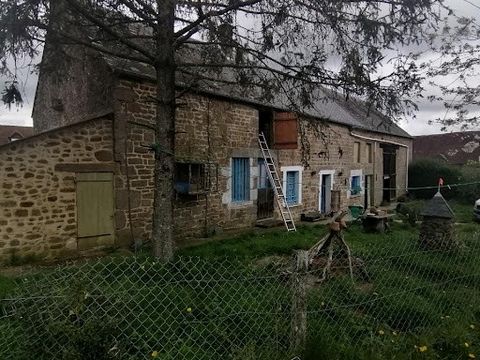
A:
292, 187
95, 210
285, 130
240, 179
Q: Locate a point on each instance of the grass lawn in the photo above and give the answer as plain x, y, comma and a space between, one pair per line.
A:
405, 303
6, 286
414, 305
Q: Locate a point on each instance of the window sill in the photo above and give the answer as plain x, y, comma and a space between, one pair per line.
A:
355, 196
294, 205
241, 204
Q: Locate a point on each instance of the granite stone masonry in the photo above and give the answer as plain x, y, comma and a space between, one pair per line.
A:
37, 187
86, 184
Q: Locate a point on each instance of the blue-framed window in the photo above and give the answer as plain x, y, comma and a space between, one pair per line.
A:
355, 185
263, 179
292, 187
240, 179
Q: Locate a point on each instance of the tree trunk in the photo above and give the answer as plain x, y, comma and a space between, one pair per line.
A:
164, 193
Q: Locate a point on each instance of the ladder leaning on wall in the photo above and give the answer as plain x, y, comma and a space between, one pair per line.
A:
276, 184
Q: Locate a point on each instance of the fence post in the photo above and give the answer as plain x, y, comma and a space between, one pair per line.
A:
299, 301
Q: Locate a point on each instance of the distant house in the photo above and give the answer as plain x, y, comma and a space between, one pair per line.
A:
86, 179
457, 148
10, 133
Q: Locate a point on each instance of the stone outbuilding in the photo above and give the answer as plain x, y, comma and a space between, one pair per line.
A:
437, 231
85, 179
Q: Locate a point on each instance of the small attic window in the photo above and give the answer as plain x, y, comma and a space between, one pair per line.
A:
190, 178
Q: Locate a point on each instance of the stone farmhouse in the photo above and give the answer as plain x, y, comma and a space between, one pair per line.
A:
85, 178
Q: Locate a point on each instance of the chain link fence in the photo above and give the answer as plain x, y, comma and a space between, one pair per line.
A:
402, 302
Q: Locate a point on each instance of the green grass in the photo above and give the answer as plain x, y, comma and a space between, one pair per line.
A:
7, 285
240, 304
252, 245
408, 292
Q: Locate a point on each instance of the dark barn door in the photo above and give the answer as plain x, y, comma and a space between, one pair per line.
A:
265, 193
389, 172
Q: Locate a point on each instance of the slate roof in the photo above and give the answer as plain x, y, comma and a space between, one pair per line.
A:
454, 148
327, 104
18, 132
438, 207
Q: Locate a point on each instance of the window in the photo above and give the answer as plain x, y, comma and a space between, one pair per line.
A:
291, 190
240, 179
355, 187
356, 152
263, 179
369, 153
356, 183
191, 178
292, 184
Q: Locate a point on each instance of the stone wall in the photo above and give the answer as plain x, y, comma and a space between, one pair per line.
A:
208, 131
334, 150
37, 187
438, 234
212, 131
74, 85
38, 209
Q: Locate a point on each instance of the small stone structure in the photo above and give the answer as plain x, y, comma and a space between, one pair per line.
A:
437, 231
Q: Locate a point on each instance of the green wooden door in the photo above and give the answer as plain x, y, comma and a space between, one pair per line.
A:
95, 210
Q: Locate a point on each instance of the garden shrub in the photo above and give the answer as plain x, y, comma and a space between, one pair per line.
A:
426, 172
470, 174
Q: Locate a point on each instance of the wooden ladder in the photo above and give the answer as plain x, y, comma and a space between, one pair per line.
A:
276, 184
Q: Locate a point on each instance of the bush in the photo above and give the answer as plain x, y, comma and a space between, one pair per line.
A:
426, 172
470, 174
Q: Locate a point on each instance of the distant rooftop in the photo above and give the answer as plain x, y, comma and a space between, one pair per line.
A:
9, 133
454, 148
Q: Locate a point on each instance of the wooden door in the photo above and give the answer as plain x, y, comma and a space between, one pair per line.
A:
95, 210
326, 194
265, 196
369, 191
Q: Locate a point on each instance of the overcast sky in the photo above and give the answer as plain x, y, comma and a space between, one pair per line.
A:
415, 126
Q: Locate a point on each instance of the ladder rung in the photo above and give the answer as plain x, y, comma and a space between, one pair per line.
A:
276, 183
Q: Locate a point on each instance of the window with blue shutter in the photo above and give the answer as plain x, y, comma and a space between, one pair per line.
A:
355, 187
292, 187
240, 179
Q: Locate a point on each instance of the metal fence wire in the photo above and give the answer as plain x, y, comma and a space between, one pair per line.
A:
402, 302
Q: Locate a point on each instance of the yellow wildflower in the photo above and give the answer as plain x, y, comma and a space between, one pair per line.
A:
422, 348
154, 354
381, 332
189, 309
471, 356
466, 344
